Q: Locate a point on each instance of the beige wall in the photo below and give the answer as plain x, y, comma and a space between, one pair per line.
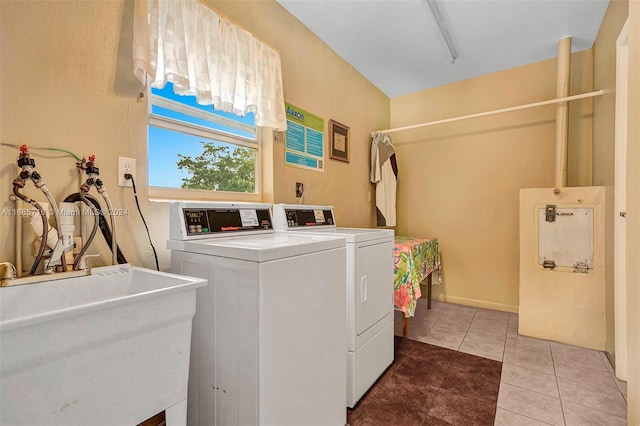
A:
633, 214
604, 52
460, 181
66, 82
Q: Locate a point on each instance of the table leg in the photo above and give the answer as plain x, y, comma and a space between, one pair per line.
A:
429, 291
404, 326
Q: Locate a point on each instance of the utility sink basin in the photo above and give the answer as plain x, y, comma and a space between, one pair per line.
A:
111, 348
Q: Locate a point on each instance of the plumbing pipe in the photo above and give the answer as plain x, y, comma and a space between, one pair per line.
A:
18, 224
92, 173
16, 201
51, 232
106, 232
56, 214
27, 166
85, 246
562, 111
81, 216
43, 243
112, 215
67, 222
93, 179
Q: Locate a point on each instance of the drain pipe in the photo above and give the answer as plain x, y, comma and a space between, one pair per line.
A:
18, 205
562, 111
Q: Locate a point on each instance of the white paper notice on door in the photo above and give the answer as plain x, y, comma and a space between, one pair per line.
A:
568, 239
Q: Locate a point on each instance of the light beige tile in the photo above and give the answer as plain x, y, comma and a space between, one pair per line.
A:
461, 310
534, 358
508, 418
512, 325
436, 305
585, 373
487, 314
511, 332
482, 347
527, 378
513, 319
418, 327
622, 386
452, 325
443, 337
530, 379
530, 404
428, 313
579, 415
496, 338
497, 326
597, 398
484, 344
529, 343
567, 354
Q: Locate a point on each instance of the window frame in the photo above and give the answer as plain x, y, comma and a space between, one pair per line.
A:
157, 193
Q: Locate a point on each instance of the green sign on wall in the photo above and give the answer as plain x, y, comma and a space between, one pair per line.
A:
304, 143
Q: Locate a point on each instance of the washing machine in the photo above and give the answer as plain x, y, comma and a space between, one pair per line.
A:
369, 290
269, 333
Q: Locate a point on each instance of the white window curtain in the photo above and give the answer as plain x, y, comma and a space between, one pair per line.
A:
207, 56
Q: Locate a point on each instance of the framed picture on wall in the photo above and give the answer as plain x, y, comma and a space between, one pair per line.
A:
339, 141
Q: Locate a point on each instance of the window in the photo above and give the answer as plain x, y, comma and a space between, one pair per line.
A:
195, 149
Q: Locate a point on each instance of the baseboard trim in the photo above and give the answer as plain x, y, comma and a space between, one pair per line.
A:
477, 303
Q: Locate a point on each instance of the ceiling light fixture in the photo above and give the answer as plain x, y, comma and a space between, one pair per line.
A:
443, 34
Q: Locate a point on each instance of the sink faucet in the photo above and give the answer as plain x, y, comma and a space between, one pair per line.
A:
83, 264
10, 271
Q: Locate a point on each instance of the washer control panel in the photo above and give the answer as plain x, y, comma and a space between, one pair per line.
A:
289, 217
198, 220
308, 217
213, 221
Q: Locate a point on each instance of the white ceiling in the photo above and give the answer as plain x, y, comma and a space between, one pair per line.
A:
394, 43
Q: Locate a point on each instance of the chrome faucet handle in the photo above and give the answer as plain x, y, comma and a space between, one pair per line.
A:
55, 257
83, 261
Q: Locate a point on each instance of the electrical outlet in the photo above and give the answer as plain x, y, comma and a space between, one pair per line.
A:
299, 189
126, 165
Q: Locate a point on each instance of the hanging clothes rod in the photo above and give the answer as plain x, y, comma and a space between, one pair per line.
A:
497, 111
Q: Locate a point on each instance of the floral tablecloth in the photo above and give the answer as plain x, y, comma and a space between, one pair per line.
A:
414, 259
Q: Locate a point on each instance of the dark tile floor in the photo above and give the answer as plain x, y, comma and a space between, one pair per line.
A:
431, 385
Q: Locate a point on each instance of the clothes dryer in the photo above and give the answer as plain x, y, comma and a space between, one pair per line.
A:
369, 289
269, 333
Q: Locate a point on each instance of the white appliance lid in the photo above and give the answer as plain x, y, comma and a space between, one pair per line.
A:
358, 235
260, 248
316, 219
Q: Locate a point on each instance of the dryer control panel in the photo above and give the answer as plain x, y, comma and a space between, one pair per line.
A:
198, 220
288, 217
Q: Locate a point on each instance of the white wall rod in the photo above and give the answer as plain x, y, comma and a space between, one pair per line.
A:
497, 111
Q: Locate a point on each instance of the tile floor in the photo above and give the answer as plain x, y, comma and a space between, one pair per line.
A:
541, 382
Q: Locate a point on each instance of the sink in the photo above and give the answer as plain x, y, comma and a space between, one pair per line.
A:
110, 348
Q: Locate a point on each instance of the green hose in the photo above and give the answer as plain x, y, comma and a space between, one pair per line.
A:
48, 149
62, 150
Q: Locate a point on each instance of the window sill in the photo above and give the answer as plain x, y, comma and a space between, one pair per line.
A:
171, 194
